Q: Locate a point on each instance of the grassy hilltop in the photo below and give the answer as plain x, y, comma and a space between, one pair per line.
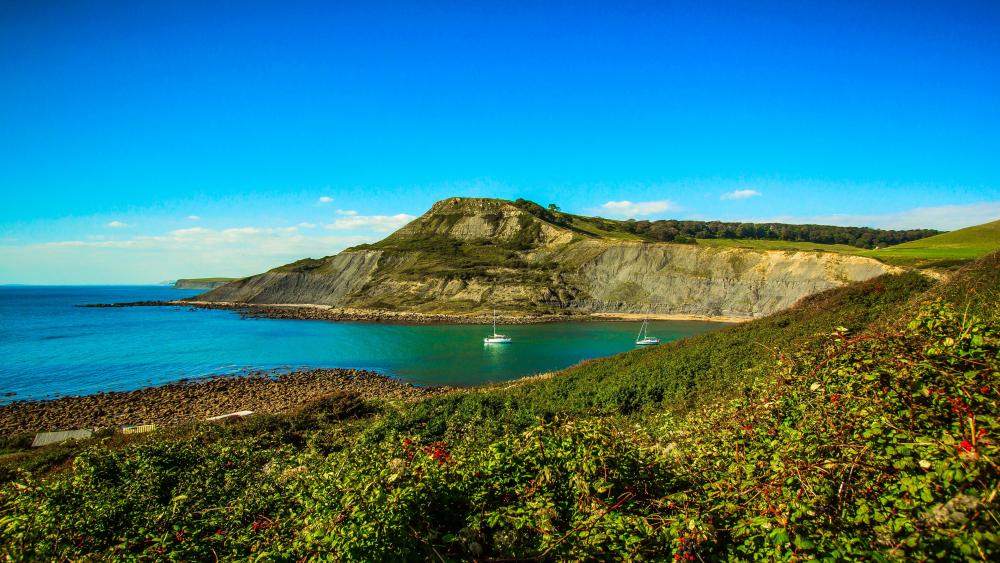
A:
951, 248
861, 423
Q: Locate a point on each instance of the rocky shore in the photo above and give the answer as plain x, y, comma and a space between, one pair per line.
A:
261, 392
131, 304
328, 313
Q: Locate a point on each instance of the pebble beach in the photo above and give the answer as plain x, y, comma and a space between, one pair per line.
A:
184, 401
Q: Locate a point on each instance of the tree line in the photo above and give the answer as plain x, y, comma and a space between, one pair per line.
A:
673, 230
686, 231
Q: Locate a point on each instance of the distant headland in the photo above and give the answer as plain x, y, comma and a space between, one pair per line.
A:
201, 283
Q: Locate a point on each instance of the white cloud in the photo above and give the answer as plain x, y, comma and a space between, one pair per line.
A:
189, 232
350, 212
324, 199
631, 209
739, 194
117, 225
239, 231
944, 218
307, 225
379, 223
194, 218
191, 252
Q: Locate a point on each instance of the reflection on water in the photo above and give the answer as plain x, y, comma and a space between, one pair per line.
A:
493, 354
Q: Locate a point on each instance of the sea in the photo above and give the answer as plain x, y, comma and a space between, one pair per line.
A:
49, 347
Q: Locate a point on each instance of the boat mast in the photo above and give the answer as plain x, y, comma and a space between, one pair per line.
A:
494, 321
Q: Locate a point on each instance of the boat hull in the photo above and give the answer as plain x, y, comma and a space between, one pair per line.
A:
496, 340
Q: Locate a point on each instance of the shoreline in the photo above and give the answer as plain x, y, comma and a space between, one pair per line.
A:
296, 311
263, 392
668, 317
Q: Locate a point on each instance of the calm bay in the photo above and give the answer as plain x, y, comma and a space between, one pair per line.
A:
49, 347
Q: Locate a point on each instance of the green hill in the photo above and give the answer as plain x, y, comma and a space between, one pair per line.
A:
466, 256
469, 255
944, 249
860, 424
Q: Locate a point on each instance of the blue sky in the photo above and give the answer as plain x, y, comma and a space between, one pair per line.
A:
148, 141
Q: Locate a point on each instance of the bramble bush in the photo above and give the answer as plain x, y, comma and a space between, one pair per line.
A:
882, 443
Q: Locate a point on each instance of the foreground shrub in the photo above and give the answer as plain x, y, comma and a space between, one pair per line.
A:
866, 445
884, 443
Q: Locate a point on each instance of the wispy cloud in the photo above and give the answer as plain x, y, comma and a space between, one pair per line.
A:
324, 199
944, 218
350, 219
190, 252
193, 231
307, 225
631, 209
194, 218
117, 225
739, 194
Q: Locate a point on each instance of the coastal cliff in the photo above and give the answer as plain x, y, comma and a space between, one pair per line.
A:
201, 283
470, 254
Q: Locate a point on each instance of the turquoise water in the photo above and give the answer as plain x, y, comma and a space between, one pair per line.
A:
48, 347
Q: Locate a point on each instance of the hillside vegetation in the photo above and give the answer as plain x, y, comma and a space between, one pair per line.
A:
860, 424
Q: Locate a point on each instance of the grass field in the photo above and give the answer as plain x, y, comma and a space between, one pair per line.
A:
781, 245
956, 246
939, 251
601, 228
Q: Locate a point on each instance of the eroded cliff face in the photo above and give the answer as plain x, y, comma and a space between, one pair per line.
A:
343, 276
473, 254
687, 279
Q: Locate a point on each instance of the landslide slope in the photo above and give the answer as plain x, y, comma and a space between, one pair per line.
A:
473, 254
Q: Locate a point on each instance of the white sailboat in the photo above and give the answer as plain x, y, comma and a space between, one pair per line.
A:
496, 338
644, 339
